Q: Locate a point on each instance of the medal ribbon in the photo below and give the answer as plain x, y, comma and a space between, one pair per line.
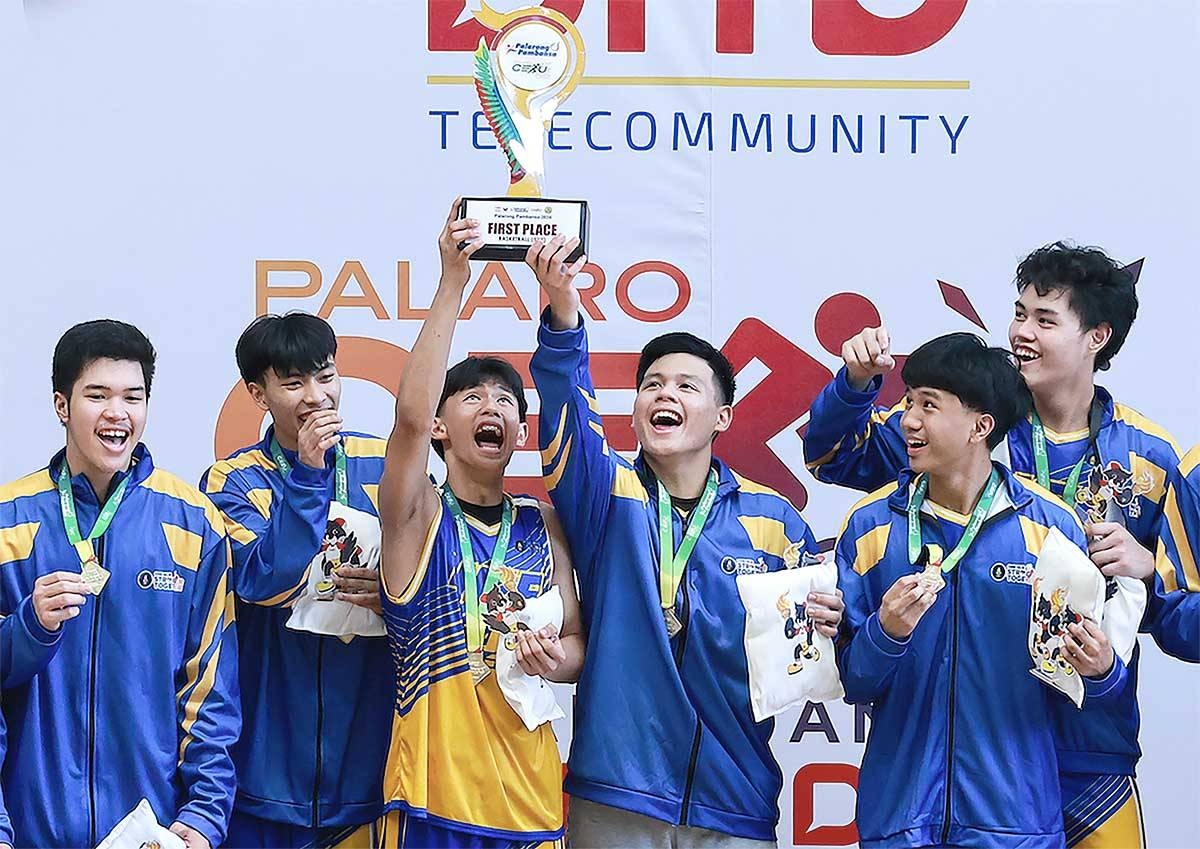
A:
671, 565
66, 500
973, 525
341, 482
1041, 459
475, 626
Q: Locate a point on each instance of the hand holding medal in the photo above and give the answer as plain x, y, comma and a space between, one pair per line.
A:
58, 597
903, 606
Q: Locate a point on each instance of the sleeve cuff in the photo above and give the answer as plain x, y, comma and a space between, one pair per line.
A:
308, 477
847, 393
1095, 688
212, 834
30, 621
882, 641
562, 340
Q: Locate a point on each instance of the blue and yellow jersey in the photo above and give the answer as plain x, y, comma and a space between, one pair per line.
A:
460, 756
955, 703
1175, 606
852, 443
314, 703
663, 725
138, 695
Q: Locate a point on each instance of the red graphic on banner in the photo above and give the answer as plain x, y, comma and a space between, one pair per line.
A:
958, 301
803, 787
786, 393
839, 27
845, 28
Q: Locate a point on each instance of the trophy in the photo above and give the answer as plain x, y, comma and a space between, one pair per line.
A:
534, 62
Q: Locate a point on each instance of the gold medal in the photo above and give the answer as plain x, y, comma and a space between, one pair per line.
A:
479, 669
94, 575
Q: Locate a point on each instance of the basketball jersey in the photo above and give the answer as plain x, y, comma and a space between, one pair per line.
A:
459, 755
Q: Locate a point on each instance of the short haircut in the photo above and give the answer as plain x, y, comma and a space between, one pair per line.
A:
1099, 289
983, 378
95, 340
687, 343
295, 343
477, 371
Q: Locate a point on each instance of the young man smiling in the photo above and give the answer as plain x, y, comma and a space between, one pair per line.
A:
459, 560
1074, 310
961, 751
118, 657
666, 751
310, 760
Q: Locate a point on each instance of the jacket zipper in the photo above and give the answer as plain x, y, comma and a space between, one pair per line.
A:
695, 754
91, 755
954, 576
950, 721
316, 809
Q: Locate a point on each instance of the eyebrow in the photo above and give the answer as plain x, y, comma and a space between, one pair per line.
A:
1041, 310
660, 375
104, 388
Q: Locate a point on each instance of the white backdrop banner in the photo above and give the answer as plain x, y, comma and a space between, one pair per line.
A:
772, 176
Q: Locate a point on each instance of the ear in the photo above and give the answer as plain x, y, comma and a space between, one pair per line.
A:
62, 407
1098, 337
724, 418
438, 430
522, 435
984, 425
259, 395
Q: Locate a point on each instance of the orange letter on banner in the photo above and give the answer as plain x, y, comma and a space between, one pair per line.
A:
682, 286
369, 297
264, 291
845, 28
587, 295
404, 307
802, 805
511, 298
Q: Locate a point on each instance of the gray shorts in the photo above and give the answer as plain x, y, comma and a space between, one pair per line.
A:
594, 826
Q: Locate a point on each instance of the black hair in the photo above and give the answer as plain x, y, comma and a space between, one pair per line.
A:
687, 343
1099, 289
983, 378
476, 371
95, 340
295, 343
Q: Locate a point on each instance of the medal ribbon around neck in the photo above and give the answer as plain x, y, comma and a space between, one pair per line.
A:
1041, 459
969, 533
475, 627
341, 482
671, 563
66, 500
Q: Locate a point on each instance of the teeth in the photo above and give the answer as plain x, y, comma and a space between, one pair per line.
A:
666, 417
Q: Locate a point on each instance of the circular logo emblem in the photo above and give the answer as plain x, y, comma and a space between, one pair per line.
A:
144, 579
998, 571
728, 565
533, 56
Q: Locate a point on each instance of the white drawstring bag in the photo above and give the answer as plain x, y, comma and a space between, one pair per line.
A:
1067, 588
139, 830
529, 695
352, 538
789, 661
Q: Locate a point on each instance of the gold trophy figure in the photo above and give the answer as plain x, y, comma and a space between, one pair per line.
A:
533, 64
